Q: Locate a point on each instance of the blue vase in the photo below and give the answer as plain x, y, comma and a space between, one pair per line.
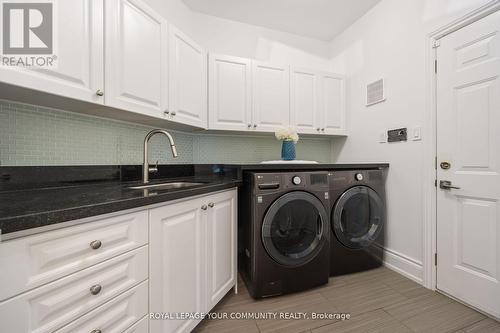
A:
288, 151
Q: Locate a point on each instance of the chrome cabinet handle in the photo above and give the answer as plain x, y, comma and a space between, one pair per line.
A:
174, 113
322, 130
447, 185
249, 125
166, 112
99, 93
204, 207
96, 331
318, 129
94, 245
211, 205
95, 289
254, 125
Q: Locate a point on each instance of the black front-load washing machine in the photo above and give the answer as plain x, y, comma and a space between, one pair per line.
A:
284, 232
358, 214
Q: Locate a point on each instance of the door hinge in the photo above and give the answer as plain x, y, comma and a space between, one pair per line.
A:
435, 183
435, 259
436, 44
435, 66
435, 162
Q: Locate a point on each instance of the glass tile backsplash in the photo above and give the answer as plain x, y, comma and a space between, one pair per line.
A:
33, 135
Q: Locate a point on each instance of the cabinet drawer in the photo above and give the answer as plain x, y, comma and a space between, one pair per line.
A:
117, 315
142, 326
53, 305
32, 261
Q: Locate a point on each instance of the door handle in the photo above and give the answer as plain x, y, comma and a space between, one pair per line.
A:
447, 185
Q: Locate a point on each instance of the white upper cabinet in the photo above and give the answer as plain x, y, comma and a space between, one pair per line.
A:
317, 102
271, 96
304, 100
136, 58
79, 51
230, 100
332, 107
188, 80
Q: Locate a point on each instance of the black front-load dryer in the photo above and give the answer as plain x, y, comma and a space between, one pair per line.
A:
284, 232
357, 219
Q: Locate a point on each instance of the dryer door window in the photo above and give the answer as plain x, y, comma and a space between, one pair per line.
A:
294, 228
358, 217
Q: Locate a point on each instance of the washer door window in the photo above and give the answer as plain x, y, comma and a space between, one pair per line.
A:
293, 230
358, 217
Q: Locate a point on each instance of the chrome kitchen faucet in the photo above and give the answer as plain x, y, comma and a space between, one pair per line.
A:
146, 169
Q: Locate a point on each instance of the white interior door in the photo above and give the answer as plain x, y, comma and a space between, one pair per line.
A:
271, 96
188, 80
468, 127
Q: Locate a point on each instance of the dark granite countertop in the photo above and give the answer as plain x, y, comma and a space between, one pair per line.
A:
33, 197
32, 208
298, 167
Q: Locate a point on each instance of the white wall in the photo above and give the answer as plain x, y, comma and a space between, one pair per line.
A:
390, 42
244, 40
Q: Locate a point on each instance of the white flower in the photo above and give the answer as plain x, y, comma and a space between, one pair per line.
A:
287, 134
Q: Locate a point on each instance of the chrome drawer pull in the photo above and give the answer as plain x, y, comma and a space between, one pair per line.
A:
96, 331
211, 205
96, 289
95, 244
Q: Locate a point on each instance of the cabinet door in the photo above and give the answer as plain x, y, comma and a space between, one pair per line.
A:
333, 117
304, 96
176, 264
221, 246
80, 55
188, 80
230, 103
136, 58
271, 96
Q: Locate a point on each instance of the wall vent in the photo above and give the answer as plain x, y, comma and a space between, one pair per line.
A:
375, 92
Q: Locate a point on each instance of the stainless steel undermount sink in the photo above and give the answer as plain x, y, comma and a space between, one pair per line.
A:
166, 186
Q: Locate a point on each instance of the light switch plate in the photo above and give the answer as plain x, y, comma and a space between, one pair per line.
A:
416, 133
382, 137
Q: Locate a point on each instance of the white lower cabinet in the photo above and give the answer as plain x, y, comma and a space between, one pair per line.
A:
115, 316
56, 304
192, 258
176, 264
221, 247
110, 274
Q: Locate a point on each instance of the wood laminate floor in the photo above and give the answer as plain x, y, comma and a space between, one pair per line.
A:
377, 301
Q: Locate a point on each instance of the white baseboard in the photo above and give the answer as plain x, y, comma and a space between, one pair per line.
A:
402, 264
